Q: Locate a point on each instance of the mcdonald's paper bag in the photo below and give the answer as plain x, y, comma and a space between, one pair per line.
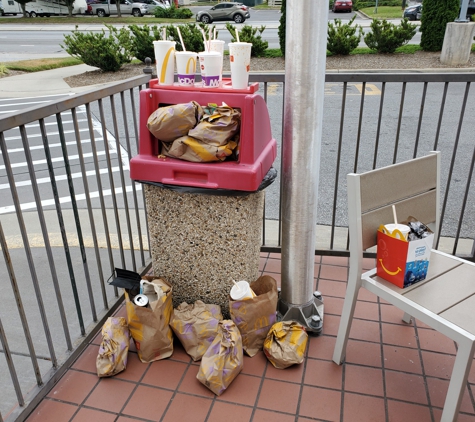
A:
254, 317
196, 326
218, 125
285, 344
223, 360
114, 348
149, 326
191, 149
170, 122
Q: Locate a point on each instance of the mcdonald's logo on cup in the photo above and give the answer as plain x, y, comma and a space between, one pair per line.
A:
186, 67
165, 61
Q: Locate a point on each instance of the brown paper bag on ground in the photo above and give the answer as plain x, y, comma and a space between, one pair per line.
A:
114, 348
254, 317
196, 326
149, 327
191, 149
171, 122
223, 360
218, 125
285, 344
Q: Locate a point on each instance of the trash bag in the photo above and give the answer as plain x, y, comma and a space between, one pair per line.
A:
114, 348
149, 326
171, 122
285, 344
223, 360
196, 326
254, 317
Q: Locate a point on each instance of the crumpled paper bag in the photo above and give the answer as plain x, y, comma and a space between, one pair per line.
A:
171, 122
223, 360
191, 149
285, 344
149, 327
254, 317
196, 326
218, 125
114, 349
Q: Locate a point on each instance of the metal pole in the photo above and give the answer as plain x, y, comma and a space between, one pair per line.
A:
306, 39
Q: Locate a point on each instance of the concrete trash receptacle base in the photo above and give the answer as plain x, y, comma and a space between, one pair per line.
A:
200, 243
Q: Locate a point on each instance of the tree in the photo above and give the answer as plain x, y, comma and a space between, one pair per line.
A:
70, 3
435, 16
281, 31
23, 6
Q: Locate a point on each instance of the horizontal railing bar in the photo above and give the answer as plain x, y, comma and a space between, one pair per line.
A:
35, 113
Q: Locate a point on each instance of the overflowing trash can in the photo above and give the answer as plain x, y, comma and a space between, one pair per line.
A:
204, 217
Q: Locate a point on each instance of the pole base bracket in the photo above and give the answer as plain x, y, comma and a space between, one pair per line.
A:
310, 314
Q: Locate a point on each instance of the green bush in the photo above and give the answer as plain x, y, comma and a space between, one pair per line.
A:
281, 30
142, 41
191, 34
435, 16
98, 50
385, 37
248, 34
172, 12
343, 39
361, 4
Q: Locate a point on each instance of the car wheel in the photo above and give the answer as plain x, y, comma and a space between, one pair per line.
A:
412, 18
101, 13
136, 13
238, 18
205, 19
33, 15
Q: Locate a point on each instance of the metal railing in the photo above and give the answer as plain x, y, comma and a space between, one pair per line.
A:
69, 213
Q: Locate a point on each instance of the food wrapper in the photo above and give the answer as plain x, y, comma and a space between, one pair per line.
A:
223, 360
149, 326
171, 122
218, 126
254, 317
196, 326
114, 348
285, 344
191, 149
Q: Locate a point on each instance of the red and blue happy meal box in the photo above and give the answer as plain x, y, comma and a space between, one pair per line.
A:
402, 262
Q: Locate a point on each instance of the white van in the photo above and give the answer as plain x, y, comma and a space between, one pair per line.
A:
36, 8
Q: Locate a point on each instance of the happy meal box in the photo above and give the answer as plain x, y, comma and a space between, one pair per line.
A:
402, 262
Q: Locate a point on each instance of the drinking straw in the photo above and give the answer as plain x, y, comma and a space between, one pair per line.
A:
214, 33
237, 35
204, 40
237, 285
164, 34
394, 214
209, 38
181, 39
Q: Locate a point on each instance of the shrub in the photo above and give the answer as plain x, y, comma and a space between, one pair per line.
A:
385, 37
436, 15
361, 4
191, 34
281, 30
98, 50
343, 39
248, 34
172, 12
142, 41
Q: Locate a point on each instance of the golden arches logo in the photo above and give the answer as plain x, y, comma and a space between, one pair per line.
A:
165, 64
190, 66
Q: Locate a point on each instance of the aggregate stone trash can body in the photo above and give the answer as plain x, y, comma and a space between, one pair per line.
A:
205, 219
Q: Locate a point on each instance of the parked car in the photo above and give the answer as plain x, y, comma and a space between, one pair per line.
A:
236, 12
342, 6
153, 4
413, 13
105, 8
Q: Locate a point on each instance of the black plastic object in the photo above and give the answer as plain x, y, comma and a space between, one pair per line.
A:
268, 180
126, 279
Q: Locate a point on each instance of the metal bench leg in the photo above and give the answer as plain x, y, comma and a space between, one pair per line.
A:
345, 321
406, 318
458, 381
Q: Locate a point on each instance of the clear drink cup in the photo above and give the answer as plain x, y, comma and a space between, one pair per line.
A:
240, 61
218, 46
